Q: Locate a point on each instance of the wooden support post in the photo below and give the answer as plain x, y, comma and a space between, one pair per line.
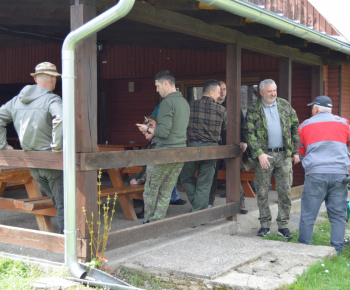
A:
317, 82
233, 83
86, 114
285, 79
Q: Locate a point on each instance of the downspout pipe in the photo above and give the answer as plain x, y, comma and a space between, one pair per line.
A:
255, 13
68, 95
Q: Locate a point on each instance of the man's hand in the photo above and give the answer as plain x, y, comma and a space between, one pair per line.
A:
243, 146
9, 147
133, 181
142, 127
295, 159
264, 160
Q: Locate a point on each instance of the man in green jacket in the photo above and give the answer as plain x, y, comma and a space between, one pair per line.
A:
273, 138
173, 117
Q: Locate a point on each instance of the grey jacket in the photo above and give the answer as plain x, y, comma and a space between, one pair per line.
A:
37, 117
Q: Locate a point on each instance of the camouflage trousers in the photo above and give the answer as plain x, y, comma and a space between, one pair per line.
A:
160, 182
281, 168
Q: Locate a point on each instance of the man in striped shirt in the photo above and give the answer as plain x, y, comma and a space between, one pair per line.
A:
324, 139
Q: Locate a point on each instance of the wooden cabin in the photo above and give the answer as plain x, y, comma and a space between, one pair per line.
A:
115, 87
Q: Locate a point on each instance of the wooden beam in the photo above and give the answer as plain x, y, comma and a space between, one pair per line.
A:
285, 79
175, 5
86, 114
32, 159
33, 239
151, 230
145, 13
233, 79
316, 48
261, 30
290, 40
117, 159
316, 82
221, 18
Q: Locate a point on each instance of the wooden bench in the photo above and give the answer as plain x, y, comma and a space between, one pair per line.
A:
246, 177
22, 176
42, 206
125, 193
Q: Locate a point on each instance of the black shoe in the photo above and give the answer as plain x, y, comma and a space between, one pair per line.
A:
141, 214
178, 202
223, 195
264, 232
146, 222
285, 233
244, 210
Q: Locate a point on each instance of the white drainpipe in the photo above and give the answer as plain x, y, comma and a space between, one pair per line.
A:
255, 13
68, 95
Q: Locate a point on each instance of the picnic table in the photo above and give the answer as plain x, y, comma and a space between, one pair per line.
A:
125, 192
32, 204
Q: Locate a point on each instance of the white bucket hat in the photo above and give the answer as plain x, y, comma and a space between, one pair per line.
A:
46, 68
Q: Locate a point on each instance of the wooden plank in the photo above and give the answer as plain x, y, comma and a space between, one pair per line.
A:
32, 238
145, 13
31, 204
303, 12
130, 190
14, 205
233, 136
285, 79
86, 114
128, 158
316, 82
32, 159
94, 161
151, 230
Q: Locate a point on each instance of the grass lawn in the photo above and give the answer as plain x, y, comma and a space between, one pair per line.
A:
332, 273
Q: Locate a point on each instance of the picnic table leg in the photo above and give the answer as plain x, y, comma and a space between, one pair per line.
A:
44, 223
116, 178
247, 189
33, 190
2, 188
127, 207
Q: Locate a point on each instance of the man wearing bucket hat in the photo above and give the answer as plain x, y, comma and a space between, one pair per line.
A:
323, 151
36, 113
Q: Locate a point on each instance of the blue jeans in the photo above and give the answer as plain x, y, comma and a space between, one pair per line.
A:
174, 195
328, 188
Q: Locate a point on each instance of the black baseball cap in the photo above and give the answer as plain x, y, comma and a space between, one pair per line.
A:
322, 101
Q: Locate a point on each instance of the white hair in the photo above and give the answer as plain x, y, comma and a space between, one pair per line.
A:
267, 82
323, 109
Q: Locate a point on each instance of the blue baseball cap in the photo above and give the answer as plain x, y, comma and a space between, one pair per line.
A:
322, 101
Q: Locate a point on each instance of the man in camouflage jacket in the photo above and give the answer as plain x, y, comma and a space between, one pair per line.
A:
272, 137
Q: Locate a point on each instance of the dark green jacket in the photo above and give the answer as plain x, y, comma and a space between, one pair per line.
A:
257, 135
173, 117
